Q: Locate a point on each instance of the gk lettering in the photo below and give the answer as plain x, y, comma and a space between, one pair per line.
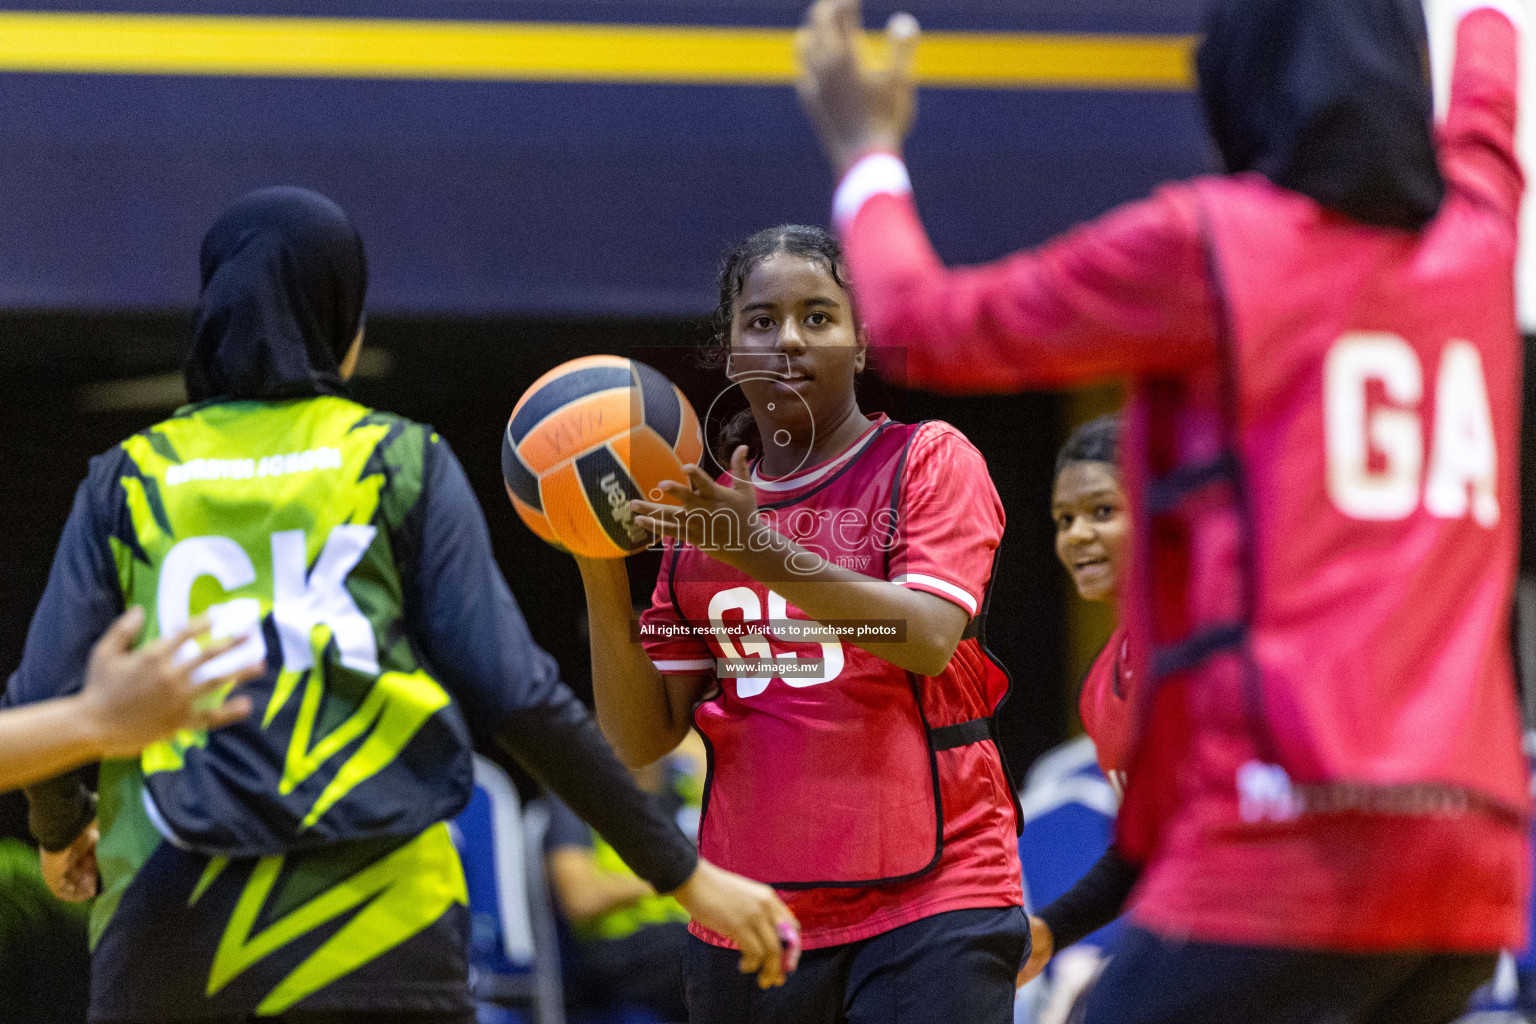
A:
302, 598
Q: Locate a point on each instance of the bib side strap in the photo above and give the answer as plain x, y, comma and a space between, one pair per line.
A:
1193, 651
949, 737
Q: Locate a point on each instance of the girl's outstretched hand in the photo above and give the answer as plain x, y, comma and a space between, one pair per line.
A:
136, 696
718, 519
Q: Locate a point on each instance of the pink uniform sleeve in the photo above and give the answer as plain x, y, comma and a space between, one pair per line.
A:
949, 519
1127, 294
669, 641
1477, 141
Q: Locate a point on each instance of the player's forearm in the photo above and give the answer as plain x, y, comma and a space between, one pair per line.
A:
930, 326
830, 593
612, 892
633, 708
990, 329
1095, 900
1125, 294
902, 288
560, 746
42, 740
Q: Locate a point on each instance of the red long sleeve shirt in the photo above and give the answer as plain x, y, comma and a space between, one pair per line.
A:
1375, 418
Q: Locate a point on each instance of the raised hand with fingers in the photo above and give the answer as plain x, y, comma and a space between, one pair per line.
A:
856, 108
131, 698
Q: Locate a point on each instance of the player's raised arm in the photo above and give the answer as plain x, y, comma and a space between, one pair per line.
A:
1477, 142
1124, 294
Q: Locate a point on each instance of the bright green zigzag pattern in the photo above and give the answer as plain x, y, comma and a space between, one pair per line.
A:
401, 895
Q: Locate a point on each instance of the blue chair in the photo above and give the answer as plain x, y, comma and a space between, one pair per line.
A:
1069, 821
513, 955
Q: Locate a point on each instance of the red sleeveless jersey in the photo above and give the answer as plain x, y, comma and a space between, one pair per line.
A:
1106, 709
1322, 454
869, 796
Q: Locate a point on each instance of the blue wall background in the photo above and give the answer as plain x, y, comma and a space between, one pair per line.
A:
494, 198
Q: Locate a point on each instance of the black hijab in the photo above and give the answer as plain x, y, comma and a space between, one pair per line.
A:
1330, 98
284, 277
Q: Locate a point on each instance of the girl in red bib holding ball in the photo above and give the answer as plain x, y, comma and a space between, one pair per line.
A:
818, 618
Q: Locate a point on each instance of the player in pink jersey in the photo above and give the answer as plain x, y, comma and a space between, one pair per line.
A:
852, 767
1090, 508
1321, 452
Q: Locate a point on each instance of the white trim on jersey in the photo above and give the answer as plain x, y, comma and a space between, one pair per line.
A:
794, 481
686, 665
1514, 10
955, 593
873, 175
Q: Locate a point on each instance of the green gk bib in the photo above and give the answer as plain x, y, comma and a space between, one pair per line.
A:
280, 521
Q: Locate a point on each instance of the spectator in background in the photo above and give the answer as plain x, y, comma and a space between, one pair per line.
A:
629, 940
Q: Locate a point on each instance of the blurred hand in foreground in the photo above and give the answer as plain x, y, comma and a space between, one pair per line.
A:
1042, 946
133, 698
856, 108
71, 872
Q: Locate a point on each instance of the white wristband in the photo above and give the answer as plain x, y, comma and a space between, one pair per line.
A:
1514, 10
874, 175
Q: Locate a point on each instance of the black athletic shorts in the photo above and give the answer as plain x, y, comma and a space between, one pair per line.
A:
1152, 980
958, 967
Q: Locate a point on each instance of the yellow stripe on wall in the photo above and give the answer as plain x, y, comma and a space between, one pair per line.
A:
528, 51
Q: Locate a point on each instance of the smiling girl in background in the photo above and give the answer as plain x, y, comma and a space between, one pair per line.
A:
1089, 506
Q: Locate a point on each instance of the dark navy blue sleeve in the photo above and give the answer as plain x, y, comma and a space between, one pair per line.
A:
461, 610
81, 600
82, 597
468, 625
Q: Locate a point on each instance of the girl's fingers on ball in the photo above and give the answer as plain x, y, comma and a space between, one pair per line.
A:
658, 526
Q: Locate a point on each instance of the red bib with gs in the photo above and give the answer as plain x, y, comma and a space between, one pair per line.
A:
844, 775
